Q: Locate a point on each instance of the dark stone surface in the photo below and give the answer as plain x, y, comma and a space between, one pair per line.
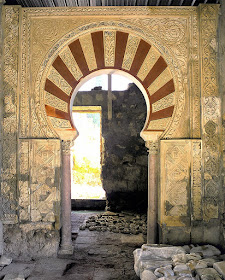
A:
124, 170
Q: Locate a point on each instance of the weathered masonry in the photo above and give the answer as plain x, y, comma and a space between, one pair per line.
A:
171, 53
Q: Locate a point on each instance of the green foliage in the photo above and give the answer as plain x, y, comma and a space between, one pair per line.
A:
84, 173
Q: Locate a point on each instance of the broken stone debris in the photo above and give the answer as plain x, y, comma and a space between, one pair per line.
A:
166, 262
5, 261
14, 277
126, 223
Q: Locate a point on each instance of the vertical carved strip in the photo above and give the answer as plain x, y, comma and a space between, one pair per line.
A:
23, 182
195, 83
109, 47
9, 130
1, 93
24, 101
211, 111
196, 187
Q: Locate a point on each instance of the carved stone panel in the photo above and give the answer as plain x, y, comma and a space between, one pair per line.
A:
211, 113
9, 122
180, 180
45, 181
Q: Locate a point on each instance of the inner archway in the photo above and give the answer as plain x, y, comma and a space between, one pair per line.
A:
124, 155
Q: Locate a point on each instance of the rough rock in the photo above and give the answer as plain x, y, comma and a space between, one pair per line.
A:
185, 278
148, 275
165, 271
220, 268
161, 251
127, 223
168, 278
206, 251
18, 268
14, 277
184, 273
201, 264
151, 265
180, 267
193, 257
5, 261
179, 258
209, 261
208, 274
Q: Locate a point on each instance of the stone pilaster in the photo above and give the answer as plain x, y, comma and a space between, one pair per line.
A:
1, 90
221, 58
9, 118
152, 228
66, 247
211, 123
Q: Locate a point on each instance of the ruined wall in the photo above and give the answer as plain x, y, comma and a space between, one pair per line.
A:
124, 170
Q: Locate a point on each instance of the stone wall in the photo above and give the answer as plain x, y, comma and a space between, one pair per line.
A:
221, 59
124, 170
1, 93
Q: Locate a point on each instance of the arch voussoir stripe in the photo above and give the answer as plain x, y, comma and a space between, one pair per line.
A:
141, 53
60, 66
163, 91
54, 90
97, 39
156, 70
53, 112
162, 114
121, 42
78, 55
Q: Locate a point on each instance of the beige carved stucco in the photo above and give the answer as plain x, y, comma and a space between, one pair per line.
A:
184, 36
166, 29
180, 194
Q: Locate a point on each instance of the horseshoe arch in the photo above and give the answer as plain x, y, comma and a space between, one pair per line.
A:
109, 49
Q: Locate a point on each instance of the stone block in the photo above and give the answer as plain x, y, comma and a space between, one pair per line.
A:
5, 261
148, 275
208, 274
206, 251
165, 271
14, 277
23, 268
175, 235
160, 251
220, 268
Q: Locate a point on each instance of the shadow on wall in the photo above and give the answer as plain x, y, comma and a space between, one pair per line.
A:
124, 170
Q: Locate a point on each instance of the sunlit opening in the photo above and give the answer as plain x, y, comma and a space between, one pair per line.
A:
86, 154
118, 83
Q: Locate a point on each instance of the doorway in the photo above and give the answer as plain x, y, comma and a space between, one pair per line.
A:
86, 155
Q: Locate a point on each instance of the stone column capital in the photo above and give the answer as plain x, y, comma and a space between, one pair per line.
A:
153, 147
66, 146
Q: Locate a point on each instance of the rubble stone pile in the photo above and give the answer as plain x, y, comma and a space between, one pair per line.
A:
125, 222
187, 262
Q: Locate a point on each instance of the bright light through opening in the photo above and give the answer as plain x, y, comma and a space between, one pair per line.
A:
86, 155
119, 83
